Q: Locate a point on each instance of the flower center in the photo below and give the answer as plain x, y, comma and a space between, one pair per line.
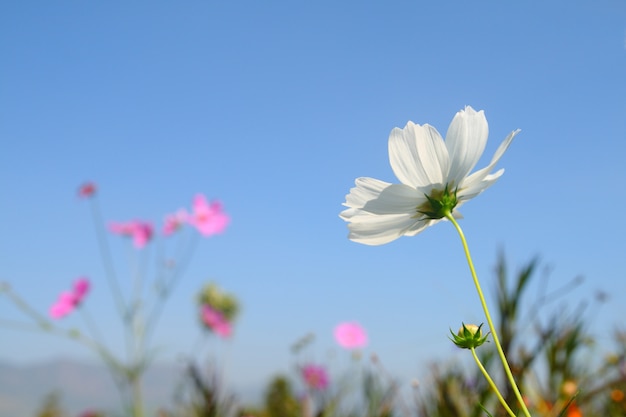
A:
439, 203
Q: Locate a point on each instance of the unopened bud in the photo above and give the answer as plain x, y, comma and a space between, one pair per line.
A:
472, 328
469, 336
569, 388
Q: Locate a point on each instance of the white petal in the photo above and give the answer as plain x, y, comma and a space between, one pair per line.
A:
418, 155
476, 187
375, 229
478, 176
420, 226
386, 217
366, 189
465, 140
396, 199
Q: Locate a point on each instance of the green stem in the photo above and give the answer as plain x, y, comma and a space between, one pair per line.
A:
137, 400
505, 364
107, 259
492, 384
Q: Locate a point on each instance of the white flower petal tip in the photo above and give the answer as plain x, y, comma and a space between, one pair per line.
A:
434, 177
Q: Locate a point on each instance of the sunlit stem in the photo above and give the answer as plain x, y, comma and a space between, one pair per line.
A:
505, 364
492, 384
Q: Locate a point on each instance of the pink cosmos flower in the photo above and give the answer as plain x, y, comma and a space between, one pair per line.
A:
90, 413
216, 321
350, 335
63, 306
68, 301
87, 190
315, 376
142, 234
209, 219
175, 221
81, 288
140, 231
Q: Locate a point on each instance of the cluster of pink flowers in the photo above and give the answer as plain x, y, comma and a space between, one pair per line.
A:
315, 376
175, 221
140, 231
215, 321
207, 218
69, 300
350, 335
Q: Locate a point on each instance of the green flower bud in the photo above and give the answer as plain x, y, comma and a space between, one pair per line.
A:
469, 336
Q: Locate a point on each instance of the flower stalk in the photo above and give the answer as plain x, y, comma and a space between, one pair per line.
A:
496, 340
491, 383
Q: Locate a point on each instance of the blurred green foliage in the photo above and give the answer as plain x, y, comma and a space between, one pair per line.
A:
221, 301
554, 360
553, 357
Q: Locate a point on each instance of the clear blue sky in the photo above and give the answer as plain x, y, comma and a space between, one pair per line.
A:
275, 108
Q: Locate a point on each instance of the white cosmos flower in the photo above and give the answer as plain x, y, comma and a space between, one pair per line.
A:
435, 179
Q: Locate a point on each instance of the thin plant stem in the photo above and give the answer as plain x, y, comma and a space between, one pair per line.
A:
91, 326
127, 312
505, 364
46, 325
491, 383
27, 309
107, 259
137, 397
165, 291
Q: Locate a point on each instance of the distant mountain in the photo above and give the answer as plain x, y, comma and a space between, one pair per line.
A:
81, 386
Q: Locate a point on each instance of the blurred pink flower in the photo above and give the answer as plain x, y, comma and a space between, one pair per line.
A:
350, 335
175, 221
81, 288
209, 219
140, 231
216, 321
315, 376
63, 306
87, 190
68, 301
90, 413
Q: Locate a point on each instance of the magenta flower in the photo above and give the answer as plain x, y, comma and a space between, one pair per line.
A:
140, 231
90, 413
350, 335
215, 321
175, 221
81, 288
87, 190
209, 219
315, 376
68, 301
142, 234
63, 306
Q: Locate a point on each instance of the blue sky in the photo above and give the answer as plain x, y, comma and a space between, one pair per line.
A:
275, 108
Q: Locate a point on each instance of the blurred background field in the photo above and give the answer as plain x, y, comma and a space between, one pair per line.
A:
553, 355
